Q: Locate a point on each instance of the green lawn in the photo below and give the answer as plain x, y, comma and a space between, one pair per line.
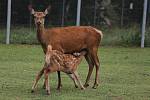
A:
124, 75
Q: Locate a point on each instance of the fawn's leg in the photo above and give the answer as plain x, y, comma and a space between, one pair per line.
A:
37, 79
47, 82
74, 79
59, 81
78, 80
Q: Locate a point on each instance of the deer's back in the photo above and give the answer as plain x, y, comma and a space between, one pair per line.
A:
71, 39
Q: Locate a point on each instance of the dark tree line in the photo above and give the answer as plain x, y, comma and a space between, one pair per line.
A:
93, 12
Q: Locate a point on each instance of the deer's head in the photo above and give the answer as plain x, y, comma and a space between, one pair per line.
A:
39, 17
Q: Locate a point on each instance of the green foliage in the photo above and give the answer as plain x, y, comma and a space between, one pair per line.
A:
124, 75
147, 37
124, 36
23, 35
2, 36
20, 35
113, 11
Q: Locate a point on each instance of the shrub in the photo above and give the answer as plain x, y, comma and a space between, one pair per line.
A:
124, 37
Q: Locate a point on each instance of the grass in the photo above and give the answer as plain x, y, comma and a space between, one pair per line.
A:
124, 74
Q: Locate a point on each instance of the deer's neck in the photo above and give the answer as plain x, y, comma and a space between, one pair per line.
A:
40, 33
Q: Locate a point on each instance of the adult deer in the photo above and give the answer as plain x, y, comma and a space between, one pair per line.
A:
69, 40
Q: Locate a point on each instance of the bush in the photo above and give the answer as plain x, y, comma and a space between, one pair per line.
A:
147, 38
23, 36
2, 35
20, 35
124, 37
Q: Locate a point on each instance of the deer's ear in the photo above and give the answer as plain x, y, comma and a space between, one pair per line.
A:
32, 12
31, 9
47, 10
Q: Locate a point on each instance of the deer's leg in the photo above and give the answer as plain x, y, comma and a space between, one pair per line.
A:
97, 64
59, 81
91, 66
47, 82
78, 80
37, 79
74, 79
58, 72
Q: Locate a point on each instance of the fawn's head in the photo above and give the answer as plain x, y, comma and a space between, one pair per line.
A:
39, 17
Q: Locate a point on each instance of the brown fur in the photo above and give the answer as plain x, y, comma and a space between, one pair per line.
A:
69, 39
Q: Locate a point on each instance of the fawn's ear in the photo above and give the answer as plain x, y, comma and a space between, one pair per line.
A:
47, 10
31, 9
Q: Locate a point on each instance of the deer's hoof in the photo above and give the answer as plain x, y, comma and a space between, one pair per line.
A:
82, 88
47, 92
76, 86
95, 86
86, 85
32, 91
59, 87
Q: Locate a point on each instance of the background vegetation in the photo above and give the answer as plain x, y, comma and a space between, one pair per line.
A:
120, 23
91, 10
